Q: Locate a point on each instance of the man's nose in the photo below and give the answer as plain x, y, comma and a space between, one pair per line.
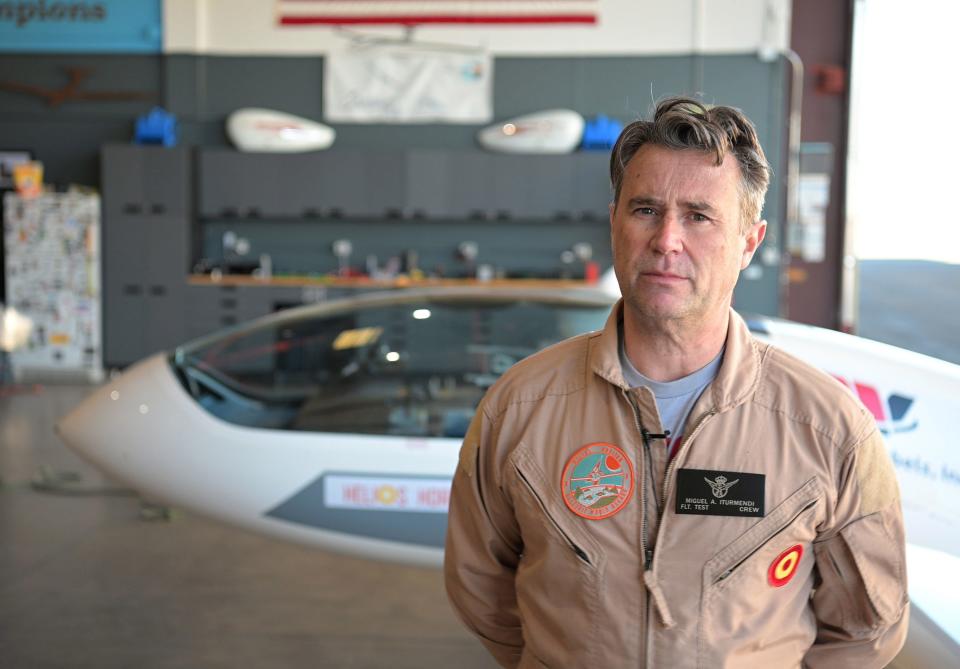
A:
668, 235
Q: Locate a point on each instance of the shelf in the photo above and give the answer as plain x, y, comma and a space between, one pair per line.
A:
206, 280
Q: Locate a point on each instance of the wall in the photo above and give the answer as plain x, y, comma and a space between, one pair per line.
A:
225, 54
67, 138
618, 86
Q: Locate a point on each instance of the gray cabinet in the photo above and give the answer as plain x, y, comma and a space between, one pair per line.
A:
209, 308
146, 249
463, 185
149, 215
480, 185
233, 183
592, 192
212, 307
539, 187
368, 184
450, 184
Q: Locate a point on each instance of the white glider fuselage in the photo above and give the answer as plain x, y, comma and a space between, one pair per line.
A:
383, 496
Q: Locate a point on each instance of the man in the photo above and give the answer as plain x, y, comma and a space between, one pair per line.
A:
669, 492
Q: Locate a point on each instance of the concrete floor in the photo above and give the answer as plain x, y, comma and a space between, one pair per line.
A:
86, 582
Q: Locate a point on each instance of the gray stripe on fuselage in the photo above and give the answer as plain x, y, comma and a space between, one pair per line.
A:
306, 507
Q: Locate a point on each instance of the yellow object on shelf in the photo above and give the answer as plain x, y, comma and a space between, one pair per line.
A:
28, 178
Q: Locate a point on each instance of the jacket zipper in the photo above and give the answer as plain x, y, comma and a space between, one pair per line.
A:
647, 553
683, 447
729, 570
663, 503
648, 465
573, 546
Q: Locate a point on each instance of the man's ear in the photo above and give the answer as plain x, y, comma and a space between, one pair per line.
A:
752, 239
612, 207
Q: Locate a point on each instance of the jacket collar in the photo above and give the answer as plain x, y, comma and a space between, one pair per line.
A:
737, 379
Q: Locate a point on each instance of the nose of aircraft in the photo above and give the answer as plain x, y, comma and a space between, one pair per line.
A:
107, 427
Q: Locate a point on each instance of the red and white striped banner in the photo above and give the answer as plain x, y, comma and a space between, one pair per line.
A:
418, 12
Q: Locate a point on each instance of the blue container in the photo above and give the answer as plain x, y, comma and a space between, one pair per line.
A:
601, 132
157, 127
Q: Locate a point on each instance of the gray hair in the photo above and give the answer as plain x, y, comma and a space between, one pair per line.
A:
683, 123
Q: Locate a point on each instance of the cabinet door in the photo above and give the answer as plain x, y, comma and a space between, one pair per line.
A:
301, 179
120, 176
268, 191
592, 192
285, 297
124, 247
233, 183
384, 184
508, 198
470, 182
255, 301
166, 174
226, 184
164, 278
548, 184
164, 318
451, 184
167, 256
123, 324
340, 182
123, 250
202, 311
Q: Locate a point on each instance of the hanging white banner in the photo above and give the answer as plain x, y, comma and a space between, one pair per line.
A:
400, 83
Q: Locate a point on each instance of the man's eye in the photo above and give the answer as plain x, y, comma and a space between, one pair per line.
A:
644, 211
698, 218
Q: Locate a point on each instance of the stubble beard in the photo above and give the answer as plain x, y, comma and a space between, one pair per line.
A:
678, 317
653, 315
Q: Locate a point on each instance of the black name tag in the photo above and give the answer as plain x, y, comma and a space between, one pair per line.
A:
711, 492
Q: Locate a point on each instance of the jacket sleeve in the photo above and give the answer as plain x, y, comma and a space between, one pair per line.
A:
860, 599
483, 548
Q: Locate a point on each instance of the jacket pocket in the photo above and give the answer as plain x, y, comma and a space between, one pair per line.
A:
725, 563
559, 578
864, 585
573, 545
737, 601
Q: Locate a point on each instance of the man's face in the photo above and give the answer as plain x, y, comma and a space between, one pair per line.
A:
676, 234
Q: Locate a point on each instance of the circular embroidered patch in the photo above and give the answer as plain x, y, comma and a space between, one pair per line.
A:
597, 481
784, 566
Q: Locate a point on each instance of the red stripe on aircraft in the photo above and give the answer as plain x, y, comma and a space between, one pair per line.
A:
868, 395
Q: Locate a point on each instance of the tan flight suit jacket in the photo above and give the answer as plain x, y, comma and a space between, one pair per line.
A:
773, 539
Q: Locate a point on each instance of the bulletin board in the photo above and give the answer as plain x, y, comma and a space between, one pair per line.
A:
52, 268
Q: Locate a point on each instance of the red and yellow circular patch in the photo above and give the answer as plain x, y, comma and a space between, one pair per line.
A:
784, 566
597, 481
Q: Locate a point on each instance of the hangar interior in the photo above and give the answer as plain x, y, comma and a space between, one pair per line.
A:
186, 240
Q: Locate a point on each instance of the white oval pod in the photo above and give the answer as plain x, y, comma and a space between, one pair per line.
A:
254, 129
549, 131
